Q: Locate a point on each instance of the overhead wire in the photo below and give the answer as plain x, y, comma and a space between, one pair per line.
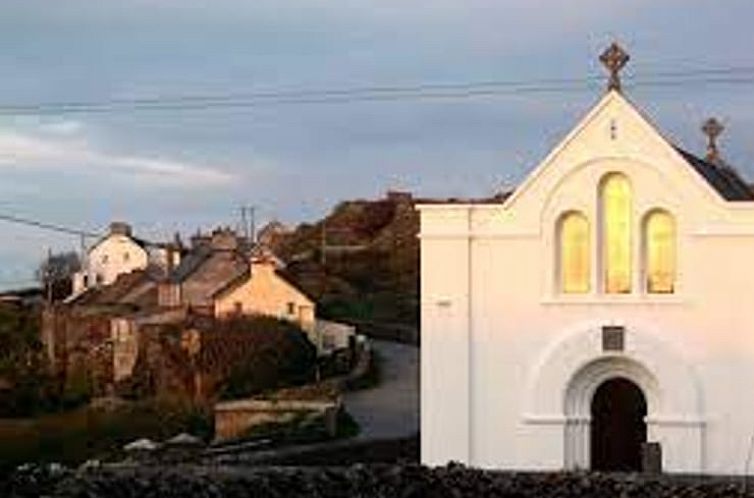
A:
374, 93
729, 75
47, 226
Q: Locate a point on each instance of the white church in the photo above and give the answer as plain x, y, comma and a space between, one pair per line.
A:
602, 316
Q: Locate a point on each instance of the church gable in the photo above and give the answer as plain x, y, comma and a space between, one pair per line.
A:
616, 135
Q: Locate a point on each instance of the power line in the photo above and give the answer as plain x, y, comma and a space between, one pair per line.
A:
47, 226
19, 282
729, 75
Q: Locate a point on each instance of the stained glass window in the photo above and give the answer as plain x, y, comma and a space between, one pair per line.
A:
660, 254
615, 211
574, 250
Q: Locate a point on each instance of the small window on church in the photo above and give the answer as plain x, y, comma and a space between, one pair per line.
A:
573, 258
615, 207
659, 252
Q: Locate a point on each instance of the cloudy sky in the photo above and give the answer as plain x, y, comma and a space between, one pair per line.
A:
182, 169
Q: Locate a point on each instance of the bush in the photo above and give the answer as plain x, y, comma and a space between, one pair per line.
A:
23, 365
255, 354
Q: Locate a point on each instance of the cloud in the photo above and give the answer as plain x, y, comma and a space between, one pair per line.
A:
21, 151
64, 128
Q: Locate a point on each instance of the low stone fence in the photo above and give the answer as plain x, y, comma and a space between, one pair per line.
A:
370, 481
234, 419
325, 454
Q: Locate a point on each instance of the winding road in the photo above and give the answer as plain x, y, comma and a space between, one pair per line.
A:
391, 409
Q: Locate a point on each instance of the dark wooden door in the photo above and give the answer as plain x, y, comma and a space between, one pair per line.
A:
618, 429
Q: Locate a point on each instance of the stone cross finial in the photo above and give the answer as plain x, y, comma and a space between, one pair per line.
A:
614, 58
712, 128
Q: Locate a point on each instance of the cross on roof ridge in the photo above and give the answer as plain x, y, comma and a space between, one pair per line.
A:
614, 58
712, 128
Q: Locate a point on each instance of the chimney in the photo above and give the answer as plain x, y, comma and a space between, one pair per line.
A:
199, 240
170, 251
224, 239
120, 228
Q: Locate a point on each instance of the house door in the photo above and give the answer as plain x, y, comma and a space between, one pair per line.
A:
618, 428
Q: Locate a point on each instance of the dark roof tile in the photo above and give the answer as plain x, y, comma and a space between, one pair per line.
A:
723, 179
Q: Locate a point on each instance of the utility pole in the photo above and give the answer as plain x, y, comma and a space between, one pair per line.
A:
244, 224
252, 223
82, 259
323, 244
48, 276
248, 221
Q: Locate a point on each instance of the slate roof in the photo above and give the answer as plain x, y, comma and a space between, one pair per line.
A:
722, 178
189, 264
136, 288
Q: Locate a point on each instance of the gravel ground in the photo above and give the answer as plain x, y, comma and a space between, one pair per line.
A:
358, 481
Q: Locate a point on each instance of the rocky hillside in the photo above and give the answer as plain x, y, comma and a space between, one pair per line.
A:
361, 262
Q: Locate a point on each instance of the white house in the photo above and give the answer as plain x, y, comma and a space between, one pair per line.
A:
121, 252
605, 304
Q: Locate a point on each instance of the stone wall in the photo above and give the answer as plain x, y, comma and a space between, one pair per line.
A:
233, 419
372, 481
78, 340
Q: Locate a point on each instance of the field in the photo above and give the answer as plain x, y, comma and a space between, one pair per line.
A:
75, 436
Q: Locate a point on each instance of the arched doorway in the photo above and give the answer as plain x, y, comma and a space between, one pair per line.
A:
618, 428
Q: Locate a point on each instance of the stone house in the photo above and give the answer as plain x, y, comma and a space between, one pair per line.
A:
211, 264
266, 289
219, 277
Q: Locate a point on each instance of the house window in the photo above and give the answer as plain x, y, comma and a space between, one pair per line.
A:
126, 257
291, 309
104, 259
574, 263
238, 307
615, 235
99, 279
659, 252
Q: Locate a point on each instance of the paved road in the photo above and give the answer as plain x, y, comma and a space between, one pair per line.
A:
390, 409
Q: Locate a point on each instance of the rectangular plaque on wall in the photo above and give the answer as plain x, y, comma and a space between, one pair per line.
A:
613, 337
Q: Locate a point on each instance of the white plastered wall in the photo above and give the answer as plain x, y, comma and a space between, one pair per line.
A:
491, 309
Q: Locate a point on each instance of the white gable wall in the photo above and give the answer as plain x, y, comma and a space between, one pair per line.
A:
494, 325
114, 255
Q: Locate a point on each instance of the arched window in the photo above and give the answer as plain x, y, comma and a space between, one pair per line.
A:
615, 235
659, 252
573, 253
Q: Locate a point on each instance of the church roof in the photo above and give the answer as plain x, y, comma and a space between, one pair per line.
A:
722, 178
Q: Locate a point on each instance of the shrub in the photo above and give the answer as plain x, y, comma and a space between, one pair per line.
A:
250, 355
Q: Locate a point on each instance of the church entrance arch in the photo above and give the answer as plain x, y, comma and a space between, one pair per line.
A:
606, 407
563, 381
618, 426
